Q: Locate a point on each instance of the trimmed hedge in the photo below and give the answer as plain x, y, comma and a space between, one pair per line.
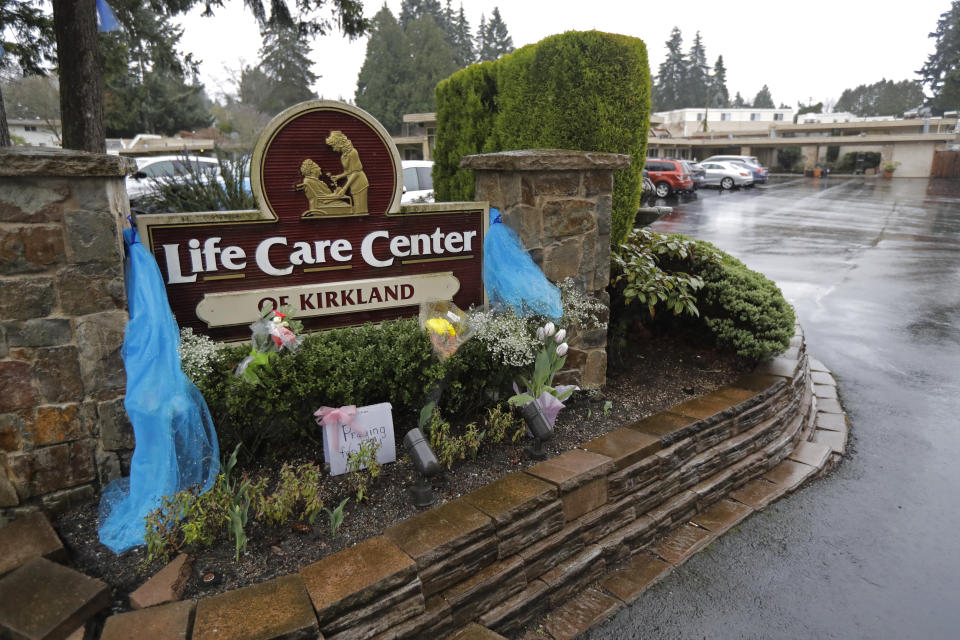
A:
744, 310
391, 362
583, 90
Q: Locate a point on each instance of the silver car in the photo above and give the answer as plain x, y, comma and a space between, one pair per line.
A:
726, 175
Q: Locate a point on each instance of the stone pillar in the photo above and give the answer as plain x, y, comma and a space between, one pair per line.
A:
62, 318
560, 204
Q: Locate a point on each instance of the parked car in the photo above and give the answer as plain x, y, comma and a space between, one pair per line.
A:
760, 173
151, 170
417, 181
726, 175
668, 176
696, 172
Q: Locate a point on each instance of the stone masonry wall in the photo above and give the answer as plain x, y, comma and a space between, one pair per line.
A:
63, 429
560, 203
508, 553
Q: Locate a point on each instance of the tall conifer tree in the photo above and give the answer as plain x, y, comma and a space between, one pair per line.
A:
719, 95
698, 75
763, 99
380, 85
671, 76
941, 71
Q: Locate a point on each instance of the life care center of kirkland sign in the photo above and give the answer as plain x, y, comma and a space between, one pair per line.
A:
329, 238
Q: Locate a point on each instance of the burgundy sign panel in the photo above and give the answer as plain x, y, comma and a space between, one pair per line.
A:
325, 241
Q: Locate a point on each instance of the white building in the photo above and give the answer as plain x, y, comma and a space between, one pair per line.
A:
837, 117
688, 123
36, 133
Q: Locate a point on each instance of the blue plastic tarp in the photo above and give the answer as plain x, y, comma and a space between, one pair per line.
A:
176, 445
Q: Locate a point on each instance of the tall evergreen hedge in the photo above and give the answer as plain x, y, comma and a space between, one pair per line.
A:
585, 90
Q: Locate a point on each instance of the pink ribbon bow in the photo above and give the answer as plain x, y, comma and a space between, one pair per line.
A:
330, 418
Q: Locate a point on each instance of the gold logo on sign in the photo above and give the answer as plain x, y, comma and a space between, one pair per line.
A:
335, 200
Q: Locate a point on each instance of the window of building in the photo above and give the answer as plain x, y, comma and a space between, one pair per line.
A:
30, 127
699, 117
778, 116
724, 116
754, 116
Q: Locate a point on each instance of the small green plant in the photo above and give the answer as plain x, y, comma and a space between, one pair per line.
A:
336, 516
237, 526
448, 448
607, 406
363, 466
500, 423
297, 495
472, 439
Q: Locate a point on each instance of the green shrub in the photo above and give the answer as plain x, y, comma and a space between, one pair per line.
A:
745, 312
788, 157
870, 160
703, 289
577, 90
390, 362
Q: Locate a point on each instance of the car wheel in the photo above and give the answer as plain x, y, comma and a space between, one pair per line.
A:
663, 189
726, 183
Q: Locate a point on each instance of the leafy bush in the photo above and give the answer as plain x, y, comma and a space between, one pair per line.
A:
703, 288
391, 362
196, 191
871, 160
577, 90
745, 312
788, 157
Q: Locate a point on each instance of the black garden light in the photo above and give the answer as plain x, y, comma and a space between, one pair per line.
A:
425, 461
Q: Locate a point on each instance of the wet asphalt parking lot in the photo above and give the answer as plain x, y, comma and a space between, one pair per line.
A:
872, 550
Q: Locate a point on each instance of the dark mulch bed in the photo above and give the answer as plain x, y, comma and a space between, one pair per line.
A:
658, 372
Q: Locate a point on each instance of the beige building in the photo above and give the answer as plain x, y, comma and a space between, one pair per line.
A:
686, 123
417, 137
911, 143
760, 132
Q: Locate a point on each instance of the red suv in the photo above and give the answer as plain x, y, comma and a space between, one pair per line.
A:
668, 176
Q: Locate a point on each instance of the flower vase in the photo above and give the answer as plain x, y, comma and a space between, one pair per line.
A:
538, 425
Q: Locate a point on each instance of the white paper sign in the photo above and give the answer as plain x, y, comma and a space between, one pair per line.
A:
372, 422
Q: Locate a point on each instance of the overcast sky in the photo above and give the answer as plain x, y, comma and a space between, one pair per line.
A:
801, 50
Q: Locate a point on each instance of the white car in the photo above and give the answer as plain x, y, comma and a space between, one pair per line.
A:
152, 170
726, 175
417, 181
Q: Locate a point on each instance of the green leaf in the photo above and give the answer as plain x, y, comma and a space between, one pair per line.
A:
521, 399
425, 413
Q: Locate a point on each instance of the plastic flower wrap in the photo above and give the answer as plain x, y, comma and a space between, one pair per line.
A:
539, 383
271, 334
447, 325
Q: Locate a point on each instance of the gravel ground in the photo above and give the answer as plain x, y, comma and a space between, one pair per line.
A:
658, 373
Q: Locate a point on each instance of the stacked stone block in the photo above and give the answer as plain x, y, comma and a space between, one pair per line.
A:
560, 203
62, 318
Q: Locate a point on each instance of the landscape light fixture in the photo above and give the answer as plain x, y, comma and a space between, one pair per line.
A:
425, 461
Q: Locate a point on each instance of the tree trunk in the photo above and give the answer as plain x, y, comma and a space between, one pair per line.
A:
81, 75
4, 129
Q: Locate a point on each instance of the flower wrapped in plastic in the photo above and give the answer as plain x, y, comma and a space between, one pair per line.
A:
447, 326
274, 332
